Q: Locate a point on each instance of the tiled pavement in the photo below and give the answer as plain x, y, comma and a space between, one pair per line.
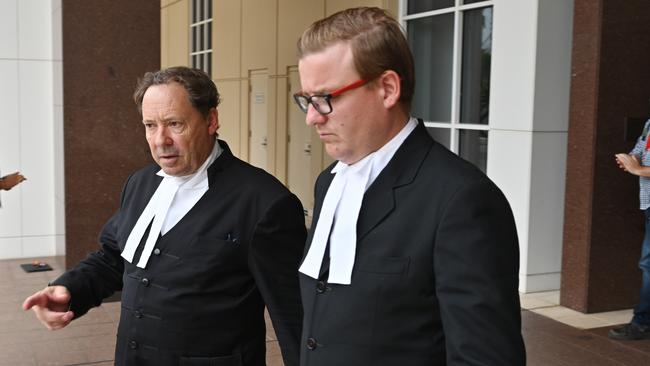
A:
555, 335
90, 340
551, 343
24, 341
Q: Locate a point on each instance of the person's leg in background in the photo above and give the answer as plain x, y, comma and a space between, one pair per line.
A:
642, 310
639, 327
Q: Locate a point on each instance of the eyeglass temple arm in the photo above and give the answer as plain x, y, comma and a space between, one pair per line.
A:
356, 84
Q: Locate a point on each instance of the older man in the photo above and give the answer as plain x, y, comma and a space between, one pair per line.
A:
413, 255
202, 241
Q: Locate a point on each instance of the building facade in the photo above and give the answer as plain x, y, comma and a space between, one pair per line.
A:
493, 81
521, 88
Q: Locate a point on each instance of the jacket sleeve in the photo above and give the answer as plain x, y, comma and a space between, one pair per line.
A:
476, 265
276, 250
99, 275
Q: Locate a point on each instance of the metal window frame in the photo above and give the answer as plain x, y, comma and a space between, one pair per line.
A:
454, 126
202, 50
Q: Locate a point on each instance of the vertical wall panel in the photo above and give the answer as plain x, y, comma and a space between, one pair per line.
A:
108, 45
10, 217
178, 22
8, 29
227, 39
36, 110
34, 42
31, 100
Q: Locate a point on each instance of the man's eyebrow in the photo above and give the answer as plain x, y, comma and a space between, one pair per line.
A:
164, 120
317, 92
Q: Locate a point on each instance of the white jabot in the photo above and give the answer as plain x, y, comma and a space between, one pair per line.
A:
340, 211
172, 200
341, 206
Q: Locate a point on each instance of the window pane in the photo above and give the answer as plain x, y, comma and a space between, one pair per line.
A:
208, 68
431, 40
194, 62
200, 10
201, 37
193, 39
194, 8
472, 1
441, 135
477, 54
472, 146
208, 38
204, 41
197, 40
419, 6
209, 13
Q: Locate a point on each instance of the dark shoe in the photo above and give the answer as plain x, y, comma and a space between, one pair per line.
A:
630, 332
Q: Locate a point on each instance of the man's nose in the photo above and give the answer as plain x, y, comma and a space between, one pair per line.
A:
313, 117
162, 136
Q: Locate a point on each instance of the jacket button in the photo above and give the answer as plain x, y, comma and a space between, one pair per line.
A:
156, 251
311, 344
138, 314
145, 282
321, 287
133, 345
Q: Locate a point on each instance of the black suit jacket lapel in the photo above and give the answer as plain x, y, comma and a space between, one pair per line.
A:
322, 185
379, 200
219, 164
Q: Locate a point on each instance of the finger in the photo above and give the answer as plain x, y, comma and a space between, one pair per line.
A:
60, 295
37, 299
48, 297
53, 320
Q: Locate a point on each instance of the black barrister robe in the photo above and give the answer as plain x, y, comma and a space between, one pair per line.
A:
200, 300
435, 274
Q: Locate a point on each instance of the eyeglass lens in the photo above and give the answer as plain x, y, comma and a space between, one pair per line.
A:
320, 102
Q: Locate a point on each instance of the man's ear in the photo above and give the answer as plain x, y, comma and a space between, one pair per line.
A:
390, 85
213, 121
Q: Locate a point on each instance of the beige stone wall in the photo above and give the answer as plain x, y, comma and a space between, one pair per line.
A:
252, 36
174, 32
